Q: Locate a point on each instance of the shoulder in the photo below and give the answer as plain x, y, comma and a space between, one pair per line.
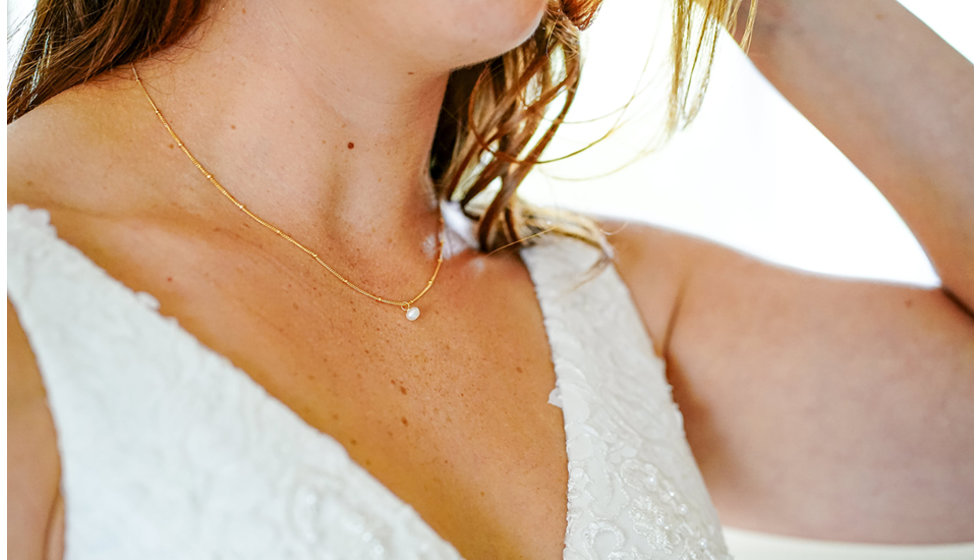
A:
60, 153
654, 263
61, 157
41, 144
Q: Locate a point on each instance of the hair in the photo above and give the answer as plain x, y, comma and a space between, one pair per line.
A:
493, 126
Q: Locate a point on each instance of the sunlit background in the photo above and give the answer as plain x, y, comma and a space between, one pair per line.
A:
750, 172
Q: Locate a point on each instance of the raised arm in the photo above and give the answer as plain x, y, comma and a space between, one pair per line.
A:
895, 99
823, 407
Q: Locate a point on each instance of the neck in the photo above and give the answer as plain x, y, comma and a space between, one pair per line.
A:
319, 128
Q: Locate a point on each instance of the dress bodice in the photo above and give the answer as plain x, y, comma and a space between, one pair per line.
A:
170, 451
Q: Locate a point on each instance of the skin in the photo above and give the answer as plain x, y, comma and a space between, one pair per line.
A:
851, 397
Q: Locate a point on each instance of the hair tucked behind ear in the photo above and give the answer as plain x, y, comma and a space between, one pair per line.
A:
493, 127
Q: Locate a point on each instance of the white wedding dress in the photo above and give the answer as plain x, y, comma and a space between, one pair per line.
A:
169, 451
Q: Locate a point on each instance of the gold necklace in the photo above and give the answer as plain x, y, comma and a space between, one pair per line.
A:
408, 306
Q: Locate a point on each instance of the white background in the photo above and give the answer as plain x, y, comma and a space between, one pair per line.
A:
750, 172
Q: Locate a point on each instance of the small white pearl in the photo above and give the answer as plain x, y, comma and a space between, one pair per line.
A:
412, 313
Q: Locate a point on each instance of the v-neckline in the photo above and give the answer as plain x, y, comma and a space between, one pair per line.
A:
149, 303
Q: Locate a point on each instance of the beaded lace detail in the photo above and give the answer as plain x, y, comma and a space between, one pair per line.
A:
169, 451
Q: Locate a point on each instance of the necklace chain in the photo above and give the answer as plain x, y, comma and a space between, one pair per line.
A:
406, 305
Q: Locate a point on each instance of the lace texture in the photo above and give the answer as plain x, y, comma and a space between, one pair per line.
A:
169, 451
634, 489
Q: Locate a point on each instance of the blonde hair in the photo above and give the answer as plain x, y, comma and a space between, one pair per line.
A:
503, 131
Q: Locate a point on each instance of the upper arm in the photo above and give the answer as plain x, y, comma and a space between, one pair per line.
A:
901, 111
33, 470
815, 406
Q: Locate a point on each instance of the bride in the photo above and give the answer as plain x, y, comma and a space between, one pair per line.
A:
255, 309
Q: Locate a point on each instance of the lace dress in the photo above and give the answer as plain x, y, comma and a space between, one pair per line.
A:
169, 451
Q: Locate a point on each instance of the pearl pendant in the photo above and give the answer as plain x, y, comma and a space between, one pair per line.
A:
412, 313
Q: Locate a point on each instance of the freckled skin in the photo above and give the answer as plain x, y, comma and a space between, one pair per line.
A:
337, 358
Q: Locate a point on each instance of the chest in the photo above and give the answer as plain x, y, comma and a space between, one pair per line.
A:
449, 412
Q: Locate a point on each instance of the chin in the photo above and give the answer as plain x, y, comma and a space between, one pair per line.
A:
446, 34
502, 26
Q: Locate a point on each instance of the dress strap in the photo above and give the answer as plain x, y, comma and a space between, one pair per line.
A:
634, 489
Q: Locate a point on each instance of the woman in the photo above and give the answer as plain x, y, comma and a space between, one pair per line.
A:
271, 175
